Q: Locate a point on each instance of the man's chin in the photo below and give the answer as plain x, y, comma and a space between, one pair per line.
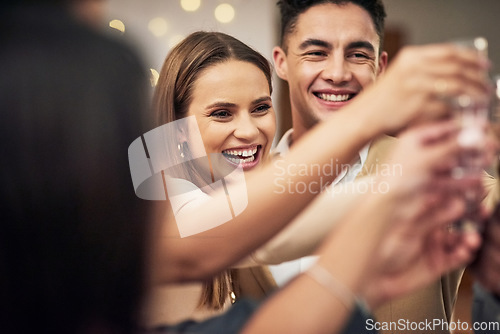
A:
325, 114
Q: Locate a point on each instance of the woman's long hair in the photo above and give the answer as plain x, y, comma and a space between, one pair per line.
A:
172, 98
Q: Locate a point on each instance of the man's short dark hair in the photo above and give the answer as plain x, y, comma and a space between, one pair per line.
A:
291, 9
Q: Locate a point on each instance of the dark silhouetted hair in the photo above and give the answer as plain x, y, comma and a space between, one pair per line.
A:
73, 233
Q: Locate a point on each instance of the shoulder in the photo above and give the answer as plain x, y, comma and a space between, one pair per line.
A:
184, 195
178, 185
283, 145
383, 144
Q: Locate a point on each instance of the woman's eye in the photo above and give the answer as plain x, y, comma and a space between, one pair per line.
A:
262, 108
220, 114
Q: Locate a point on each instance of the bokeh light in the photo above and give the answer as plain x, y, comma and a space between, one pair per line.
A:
224, 13
154, 77
118, 25
481, 44
190, 5
158, 26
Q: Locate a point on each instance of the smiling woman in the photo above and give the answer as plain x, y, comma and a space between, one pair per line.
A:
236, 119
226, 87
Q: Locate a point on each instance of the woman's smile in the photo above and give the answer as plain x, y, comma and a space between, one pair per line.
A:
247, 157
236, 120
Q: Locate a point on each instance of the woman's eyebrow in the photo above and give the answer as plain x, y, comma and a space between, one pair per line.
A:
262, 99
221, 105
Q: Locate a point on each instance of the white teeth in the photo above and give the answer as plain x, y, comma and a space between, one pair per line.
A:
241, 161
243, 153
236, 155
333, 97
249, 152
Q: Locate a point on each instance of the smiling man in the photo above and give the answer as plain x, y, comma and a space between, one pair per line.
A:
330, 51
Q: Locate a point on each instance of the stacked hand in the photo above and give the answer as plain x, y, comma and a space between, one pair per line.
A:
418, 245
423, 80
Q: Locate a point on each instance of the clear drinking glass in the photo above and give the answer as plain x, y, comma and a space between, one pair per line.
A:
472, 116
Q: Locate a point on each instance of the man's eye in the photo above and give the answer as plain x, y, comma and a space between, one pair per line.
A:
360, 55
316, 53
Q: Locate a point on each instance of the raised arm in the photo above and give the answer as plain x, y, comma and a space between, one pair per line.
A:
404, 94
406, 221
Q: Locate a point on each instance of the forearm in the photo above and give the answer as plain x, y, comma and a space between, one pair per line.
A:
205, 253
306, 232
321, 310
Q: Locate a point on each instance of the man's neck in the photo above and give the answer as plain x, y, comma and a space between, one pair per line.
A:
298, 131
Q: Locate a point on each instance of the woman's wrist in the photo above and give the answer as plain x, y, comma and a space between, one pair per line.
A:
332, 285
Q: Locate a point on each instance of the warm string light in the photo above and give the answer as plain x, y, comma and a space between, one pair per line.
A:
118, 25
154, 77
158, 26
224, 13
190, 5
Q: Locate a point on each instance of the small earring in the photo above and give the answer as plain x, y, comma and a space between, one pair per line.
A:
182, 148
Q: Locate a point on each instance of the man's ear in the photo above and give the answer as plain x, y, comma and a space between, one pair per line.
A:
280, 63
382, 62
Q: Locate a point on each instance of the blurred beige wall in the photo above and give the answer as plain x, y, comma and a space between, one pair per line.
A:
431, 21
256, 22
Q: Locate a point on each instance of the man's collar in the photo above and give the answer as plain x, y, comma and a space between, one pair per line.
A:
285, 142
363, 153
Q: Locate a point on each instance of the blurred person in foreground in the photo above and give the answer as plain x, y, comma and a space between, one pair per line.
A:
74, 250
73, 238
